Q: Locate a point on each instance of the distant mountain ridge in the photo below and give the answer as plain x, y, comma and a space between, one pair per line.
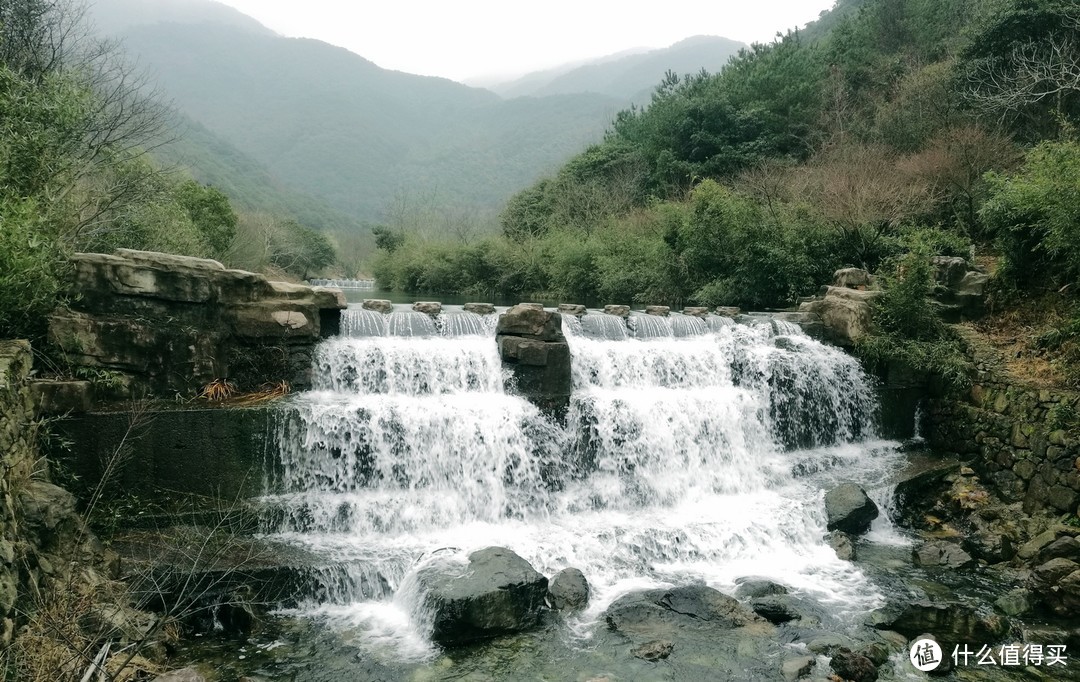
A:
626, 76
337, 139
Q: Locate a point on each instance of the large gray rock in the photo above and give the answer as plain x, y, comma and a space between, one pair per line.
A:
776, 608
479, 308
617, 310
48, 515
843, 544
753, 588
530, 322
949, 270
1056, 584
853, 278
652, 612
494, 593
951, 622
940, 553
849, 509
427, 307
659, 310
695, 311
796, 668
575, 309
845, 314
569, 590
379, 305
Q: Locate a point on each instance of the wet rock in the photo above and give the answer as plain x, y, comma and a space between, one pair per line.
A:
753, 588
659, 310
479, 308
530, 322
569, 590
574, 309
1065, 547
951, 622
843, 544
992, 547
920, 487
776, 609
182, 675
854, 667
795, 668
494, 593
1032, 547
727, 311
940, 553
379, 305
696, 311
617, 310
849, 509
1057, 584
657, 649
650, 611
1015, 603
427, 307
827, 643
877, 652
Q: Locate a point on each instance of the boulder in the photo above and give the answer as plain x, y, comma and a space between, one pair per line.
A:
853, 278
49, 520
849, 509
427, 307
1015, 603
795, 668
727, 311
845, 314
654, 650
949, 270
569, 590
649, 612
617, 310
530, 322
1056, 584
493, 593
951, 622
479, 308
940, 553
379, 305
1065, 547
775, 608
659, 310
853, 667
753, 588
843, 544
827, 643
695, 311
575, 309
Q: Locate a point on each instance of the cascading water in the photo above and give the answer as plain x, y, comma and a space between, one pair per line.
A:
694, 449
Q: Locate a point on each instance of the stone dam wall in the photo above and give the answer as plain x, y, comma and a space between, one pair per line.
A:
1024, 440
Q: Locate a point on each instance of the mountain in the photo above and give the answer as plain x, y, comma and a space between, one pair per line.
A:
111, 17
332, 124
626, 75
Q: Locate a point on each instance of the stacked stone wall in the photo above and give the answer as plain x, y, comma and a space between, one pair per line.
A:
1025, 440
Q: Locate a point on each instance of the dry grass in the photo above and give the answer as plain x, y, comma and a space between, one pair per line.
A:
1014, 331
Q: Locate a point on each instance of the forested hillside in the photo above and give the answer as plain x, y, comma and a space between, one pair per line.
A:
889, 127
629, 77
81, 140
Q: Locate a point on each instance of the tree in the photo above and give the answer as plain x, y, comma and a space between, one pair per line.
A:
211, 213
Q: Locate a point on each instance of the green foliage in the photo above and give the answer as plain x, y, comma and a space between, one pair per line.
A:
907, 328
1035, 215
301, 250
32, 267
211, 214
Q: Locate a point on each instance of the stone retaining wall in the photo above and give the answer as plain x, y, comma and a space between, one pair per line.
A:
1024, 440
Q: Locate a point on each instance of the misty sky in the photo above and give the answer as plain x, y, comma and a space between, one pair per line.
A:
463, 39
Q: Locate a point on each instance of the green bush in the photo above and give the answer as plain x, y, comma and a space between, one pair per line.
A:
32, 267
1035, 215
907, 328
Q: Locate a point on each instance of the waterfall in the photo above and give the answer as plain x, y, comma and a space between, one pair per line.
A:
693, 449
